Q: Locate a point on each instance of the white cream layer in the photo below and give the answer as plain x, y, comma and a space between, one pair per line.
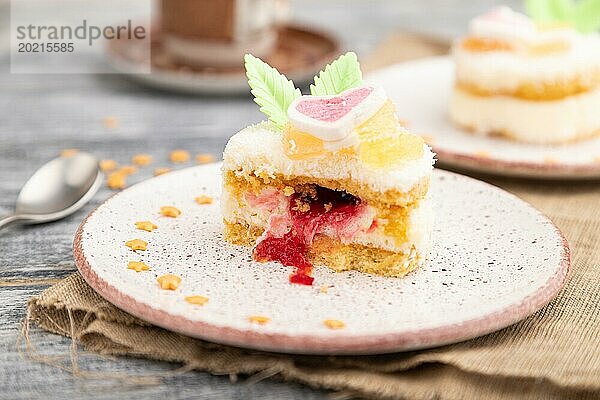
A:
506, 71
258, 150
529, 121
418, 233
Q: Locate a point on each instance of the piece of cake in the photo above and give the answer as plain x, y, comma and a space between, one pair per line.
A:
526, 80
331, 179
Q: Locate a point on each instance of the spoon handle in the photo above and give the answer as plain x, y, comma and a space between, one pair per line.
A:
7, 220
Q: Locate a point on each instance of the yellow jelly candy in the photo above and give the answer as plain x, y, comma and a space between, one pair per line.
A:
383, 122
389, 150
300, 145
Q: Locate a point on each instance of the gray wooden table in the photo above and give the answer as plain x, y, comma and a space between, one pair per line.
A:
42, 114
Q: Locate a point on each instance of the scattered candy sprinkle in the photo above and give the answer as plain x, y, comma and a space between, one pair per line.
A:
204, 199
136, 244
197, 300
170, 211
161, 171
334, 324
258, 319
128, 169
137, 266
108, 165
179, 156
68, 152
145, 226
168, 281
116, 180
142, 159
205, 158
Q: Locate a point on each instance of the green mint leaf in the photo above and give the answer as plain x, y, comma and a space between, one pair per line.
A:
342, 74
586, 16
583, 15
272, 91
549, 10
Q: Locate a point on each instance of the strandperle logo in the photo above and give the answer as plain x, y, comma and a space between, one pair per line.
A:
84, 31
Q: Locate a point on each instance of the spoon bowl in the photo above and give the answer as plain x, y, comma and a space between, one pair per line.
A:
57, 189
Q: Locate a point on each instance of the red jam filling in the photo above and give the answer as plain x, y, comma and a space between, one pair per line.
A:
309, 214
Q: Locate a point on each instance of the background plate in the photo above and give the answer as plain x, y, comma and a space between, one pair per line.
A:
495, 260
299, 54
421, 90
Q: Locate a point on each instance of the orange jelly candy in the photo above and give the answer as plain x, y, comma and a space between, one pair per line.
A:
300, 145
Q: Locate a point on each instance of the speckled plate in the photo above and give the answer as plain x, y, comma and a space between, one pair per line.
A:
421, 90
495, 260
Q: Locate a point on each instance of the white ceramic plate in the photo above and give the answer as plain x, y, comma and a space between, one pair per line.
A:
421, 90
495, 260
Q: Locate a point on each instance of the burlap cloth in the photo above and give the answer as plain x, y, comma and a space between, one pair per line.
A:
555, 353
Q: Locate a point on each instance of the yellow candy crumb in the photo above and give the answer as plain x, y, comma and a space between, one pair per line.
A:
108, 165
110, 122
323, 289
334, 324
179, 156
259, 319
288, 191
136, 244
68, 153
205, 158
196, 300
145, 226
161, 171
128, 169
168, 281
550, 160
116, 180
204, 199
170, 211
137, 266
142, 159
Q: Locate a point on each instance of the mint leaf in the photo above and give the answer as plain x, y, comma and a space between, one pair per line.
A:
342, 74
272, 91
549, 10
586, 16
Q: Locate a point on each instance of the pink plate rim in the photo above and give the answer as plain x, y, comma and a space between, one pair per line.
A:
334, 345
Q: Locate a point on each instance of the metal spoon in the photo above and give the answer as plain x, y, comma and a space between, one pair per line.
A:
57, 189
